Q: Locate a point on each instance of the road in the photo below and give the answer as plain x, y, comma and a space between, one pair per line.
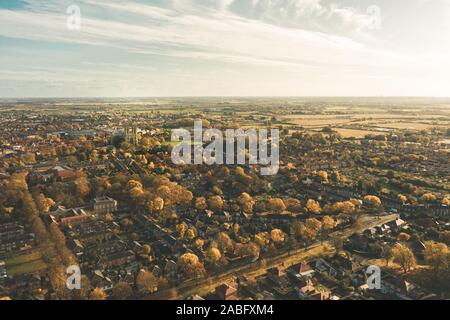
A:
190, 287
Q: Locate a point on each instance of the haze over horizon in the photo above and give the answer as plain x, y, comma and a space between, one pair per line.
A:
223, 48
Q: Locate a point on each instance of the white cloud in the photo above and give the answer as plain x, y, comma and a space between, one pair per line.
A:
180, 34
217, 35
288, 40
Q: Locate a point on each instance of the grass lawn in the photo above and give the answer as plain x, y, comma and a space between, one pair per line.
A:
171, 143
27, 263
174, 143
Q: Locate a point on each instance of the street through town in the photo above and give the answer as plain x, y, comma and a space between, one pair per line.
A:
203, 286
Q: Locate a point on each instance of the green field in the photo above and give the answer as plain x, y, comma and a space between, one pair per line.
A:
27, 263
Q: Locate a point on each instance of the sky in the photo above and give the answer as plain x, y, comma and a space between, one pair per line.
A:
137, 48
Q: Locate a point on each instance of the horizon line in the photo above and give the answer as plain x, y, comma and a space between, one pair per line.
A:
225, 96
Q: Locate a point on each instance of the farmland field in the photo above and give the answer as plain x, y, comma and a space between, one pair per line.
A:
355, 133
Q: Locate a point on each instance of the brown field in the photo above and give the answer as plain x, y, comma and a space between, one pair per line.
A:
314, 122
369, 121
355, 133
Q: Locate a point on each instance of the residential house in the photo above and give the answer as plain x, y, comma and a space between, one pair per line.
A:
98, 280
117, 259
226, 292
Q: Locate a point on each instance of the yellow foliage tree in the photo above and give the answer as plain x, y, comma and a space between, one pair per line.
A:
313, 206
200, 203
403, 255
276, 204
98, 294
277, 235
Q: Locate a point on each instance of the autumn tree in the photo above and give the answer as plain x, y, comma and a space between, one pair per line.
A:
250, 249
135, 193
191, 233
215, 203
345, 207
262, 239
304, 232
404, 237
125, 222
57, 276
191, 265
217, 191
155, 205
335, 176
164, 192
293, 205
181, 229
181, 196
246, 202
323, 175
121, 291
224, 242
82, 186
29, 158
277, 235
213, 255
313, 206
85, 291
445, 201
428, 198
199, 243
98, 294
276, 205
328, 224
314, 224
260, 206
386, 253
57, 236
295, 229
437, 255
357, 203
171, 192
29, 208
149, 142
403, 255
200, 203
373, 203
60, 243
146, 249
146, 282
131, 184
236, 229
403, 199
43, 203
17, 182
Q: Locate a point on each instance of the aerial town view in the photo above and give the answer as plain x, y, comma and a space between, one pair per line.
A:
122, 178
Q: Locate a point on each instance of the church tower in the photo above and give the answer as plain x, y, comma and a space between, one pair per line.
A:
131, 135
